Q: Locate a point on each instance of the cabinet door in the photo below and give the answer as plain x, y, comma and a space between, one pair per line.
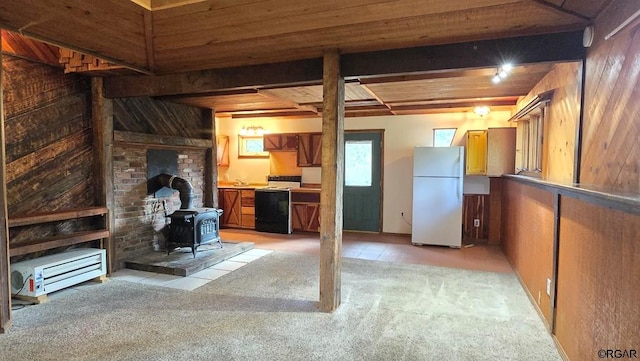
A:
313, 218
271, 142
477, 152
298, 216
310, 150
222, 150
247, 208
289, 141
231, 201
305, 217
305, 150
501, 151
316, 147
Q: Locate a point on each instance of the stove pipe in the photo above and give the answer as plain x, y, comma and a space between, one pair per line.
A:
181, 185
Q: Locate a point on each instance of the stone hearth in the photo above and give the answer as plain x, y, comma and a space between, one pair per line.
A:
181, 261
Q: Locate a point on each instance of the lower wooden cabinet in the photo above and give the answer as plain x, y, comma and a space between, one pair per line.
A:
305, 217
247, 208
305, 211
238, 207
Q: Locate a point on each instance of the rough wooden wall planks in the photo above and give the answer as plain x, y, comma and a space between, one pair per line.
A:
48, 142
150, 116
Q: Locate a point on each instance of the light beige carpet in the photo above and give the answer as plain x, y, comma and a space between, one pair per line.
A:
266, 310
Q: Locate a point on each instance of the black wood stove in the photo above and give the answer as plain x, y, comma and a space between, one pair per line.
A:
194, 227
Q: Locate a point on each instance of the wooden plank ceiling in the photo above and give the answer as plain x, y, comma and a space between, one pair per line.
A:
174, 36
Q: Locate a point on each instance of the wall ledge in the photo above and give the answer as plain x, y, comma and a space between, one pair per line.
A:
627, 202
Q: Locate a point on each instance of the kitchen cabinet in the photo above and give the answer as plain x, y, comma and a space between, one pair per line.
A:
305, 211
247, 208
238, 206
280, 142
309, 150
476, 163
222, 142
491, 152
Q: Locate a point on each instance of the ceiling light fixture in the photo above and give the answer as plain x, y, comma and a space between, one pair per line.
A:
502, 72
482, 110
252, 130
496, 78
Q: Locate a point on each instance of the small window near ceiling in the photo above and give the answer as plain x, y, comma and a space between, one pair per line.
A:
531, 130
443, 137
358, 163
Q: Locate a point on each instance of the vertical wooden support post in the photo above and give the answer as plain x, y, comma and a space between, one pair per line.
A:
211, 160
332, 182
102, 122
5, 290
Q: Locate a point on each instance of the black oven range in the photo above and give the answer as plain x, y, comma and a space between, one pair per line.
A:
273, 204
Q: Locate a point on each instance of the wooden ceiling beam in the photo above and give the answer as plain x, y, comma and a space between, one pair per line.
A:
510, 100
495, 103
291, 73
558, 47
268, 114
471, 55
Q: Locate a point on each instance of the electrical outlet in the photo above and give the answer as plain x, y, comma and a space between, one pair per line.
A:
548, 287
476, 223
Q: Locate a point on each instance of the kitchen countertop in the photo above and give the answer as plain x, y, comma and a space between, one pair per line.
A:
229, 185
306, 190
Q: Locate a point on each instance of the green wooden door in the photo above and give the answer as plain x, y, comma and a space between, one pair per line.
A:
362, 185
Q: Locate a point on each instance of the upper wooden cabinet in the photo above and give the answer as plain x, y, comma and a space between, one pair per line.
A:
310, 150
280, 142
476, 152
223, 150
491, 152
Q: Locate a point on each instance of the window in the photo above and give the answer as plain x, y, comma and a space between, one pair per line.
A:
530, 134
531, 130
443, 137
251, 146
358, 163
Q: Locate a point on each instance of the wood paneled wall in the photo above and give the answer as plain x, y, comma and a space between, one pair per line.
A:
495, 210
561, 121
611, 131
475, 206
598, 280
527, 238
48, 143
150, 116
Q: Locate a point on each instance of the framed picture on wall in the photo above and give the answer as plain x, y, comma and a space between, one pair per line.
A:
251, 146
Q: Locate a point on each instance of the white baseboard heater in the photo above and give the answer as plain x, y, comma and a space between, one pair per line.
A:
40, 276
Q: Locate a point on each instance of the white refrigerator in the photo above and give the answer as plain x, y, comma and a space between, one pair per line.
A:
438, 174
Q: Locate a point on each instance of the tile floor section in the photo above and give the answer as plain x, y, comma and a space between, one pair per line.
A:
391, 248
195, 280
382, 247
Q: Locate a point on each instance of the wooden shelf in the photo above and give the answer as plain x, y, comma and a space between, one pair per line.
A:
38, 245
56, 216
60, 241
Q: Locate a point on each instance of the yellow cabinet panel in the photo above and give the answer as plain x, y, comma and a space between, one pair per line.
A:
477, 152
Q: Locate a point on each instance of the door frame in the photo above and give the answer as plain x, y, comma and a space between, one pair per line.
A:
381, 131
